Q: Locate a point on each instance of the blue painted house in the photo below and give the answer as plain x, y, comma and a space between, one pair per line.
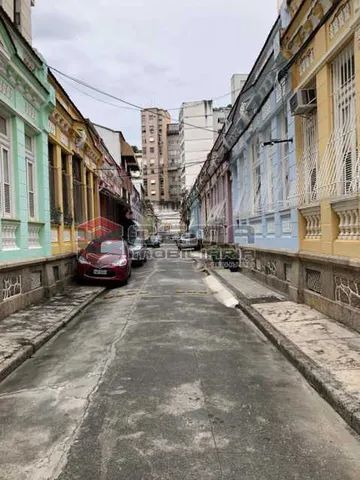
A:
262, 156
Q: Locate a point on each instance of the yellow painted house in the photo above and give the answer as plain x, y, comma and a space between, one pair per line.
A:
74, 161
323, 42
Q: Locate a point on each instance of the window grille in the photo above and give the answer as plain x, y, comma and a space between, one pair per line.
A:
270, 154
344, 98
244, 203
342, 174
309, 160
284, 158
255, 149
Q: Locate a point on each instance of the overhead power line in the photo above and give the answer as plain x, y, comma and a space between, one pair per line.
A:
156, 170
101, 100
119, 99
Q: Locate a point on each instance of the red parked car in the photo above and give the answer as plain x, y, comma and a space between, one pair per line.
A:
105, 260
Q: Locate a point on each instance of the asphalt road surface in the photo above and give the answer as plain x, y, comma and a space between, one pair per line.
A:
160, 381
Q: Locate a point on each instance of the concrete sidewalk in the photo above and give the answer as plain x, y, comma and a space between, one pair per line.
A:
24, 332
326, 352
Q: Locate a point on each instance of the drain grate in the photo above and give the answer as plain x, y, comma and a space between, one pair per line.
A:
192, 292
269, 299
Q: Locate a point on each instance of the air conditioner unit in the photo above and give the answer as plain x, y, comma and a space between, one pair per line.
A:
303, 101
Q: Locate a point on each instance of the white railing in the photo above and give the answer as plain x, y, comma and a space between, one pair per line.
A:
9, 235
34, 235
349, 219
312, 218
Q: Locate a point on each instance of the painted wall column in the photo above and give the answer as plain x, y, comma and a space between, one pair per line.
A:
20, 183
229, 207
328, 217
43, 192
59, 192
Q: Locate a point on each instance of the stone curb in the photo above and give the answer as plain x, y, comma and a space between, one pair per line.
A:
28, 351
319, 378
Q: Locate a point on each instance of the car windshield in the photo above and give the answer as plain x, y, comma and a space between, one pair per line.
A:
109, 247
189, 235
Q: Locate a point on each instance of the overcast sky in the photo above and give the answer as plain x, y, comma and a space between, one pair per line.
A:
150, 52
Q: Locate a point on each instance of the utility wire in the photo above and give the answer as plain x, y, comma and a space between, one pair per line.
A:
110, 95
156, 170
96, 98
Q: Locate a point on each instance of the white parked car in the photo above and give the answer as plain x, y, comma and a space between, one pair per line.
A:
138, 251
188, 240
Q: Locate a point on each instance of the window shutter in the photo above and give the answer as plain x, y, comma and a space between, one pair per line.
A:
31, 188
6, 182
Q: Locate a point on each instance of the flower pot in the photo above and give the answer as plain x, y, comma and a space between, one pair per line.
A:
234, 267
231, 263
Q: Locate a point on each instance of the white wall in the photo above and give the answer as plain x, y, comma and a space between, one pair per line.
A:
8, 6
112, 142
24, 8
196, 139
219, 114
237, 83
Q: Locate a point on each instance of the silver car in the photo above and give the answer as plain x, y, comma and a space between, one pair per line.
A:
138, 251
188, 240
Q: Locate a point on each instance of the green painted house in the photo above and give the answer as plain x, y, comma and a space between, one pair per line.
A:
28, 272
26, 99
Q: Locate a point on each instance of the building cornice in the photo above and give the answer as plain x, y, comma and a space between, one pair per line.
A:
310, 20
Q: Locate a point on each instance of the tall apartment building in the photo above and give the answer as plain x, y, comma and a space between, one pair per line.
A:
20, 13
154, 122
174, 165
200, 124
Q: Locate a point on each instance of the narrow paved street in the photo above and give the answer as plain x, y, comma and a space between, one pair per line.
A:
160, 381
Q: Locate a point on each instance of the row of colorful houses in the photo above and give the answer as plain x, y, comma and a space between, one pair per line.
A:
59, 183
282, 181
